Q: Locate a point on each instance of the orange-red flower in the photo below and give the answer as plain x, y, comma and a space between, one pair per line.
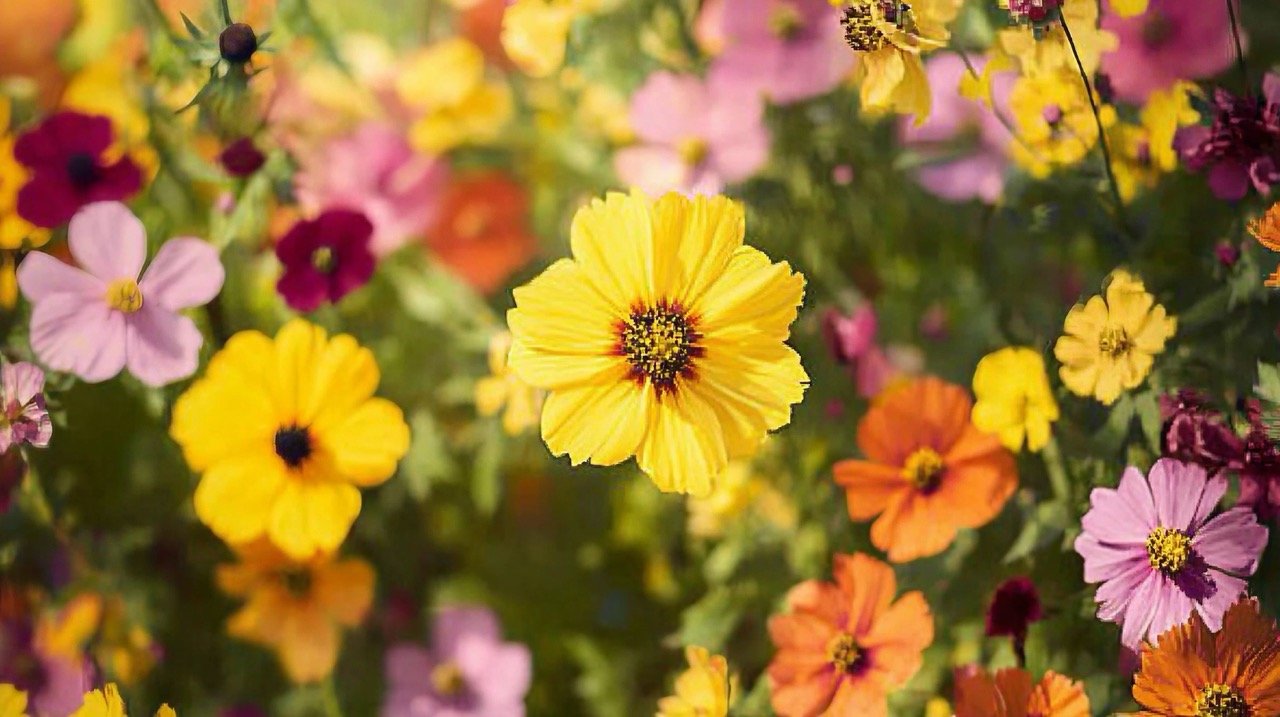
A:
1191, 671
928, 470
1266, 230
482, 230
843, 646
1010, 693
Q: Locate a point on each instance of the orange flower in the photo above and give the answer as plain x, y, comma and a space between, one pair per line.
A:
1191, 671
842, 646
1267, 231
1010, 693
482, 231
928, 470
30, 33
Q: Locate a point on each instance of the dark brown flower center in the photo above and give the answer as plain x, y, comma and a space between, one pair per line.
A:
297, 581
293, 445
1219, 700
924, 468
863, 20
660, 342
843, 653
82, 170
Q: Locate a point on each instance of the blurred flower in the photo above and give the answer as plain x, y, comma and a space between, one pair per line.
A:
445, 84
1030, 11
110, 87
325, 259
703, 690
242, 158
1143, 152
283, 451
1242, 146
1159, 555
16, 233
852, 341
97, 320
66, 155
1014, 398
677, 353
13, 702
1172, 40
789, 50
23, 416
1010, 693
695, 136
107, 702
842, 646
1055, 123
1259, 468
1192, 432
1192, 671
1015, 605
963, 143
1266, 229
1108, 346
534, 32
30, 35
1044, 49
928, 471
481, 232
889, 37
54, 683
504, 389
467, 672
741, 490
1227, 252
297, 608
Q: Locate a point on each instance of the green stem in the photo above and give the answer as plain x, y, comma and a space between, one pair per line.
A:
1235, 35
1058, 479
332, 707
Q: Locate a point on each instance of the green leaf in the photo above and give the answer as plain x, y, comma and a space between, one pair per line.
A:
192, 29
1268, 386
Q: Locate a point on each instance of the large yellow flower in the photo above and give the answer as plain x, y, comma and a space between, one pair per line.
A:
703, 690
663, 338
1109, 346
107, 702
445, 82
1055, 123
285, 433
297, 608
1014, 398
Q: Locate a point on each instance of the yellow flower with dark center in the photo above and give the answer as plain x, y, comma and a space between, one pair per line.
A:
1109, 346
703, 690
663, 338
889, 36
285, 433
1014, 398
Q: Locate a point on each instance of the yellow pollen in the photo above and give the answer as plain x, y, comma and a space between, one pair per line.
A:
843, 652
1114, 342
1168, 549
447, 680
692, 150
322, 259
785, 21
1219, 700
924, 468
659, 343
124, 295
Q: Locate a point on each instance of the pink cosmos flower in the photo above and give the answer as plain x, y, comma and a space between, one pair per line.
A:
96, 320
468, 671
1173, 40
695, 136
790, 50
1158, 554
23, 416
852, 341
374, 171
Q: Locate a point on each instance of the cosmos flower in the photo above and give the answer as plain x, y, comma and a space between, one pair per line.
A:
325, 259
1015, 401
1241, 148
1160, 556
1172, 40
889, 37
663, 338
24, 420
704, 690
481, 232
1011, 693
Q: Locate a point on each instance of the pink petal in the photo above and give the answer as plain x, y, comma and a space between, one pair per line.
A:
653, 169
1113, 596
108, 241
1178, 489
186, 272
669, 107
22, 382
79, 335
499, 672
738, 157
1171, 607
1146, 600
1125, 515
408, 668
1231, 541
1227, 590
1103, 562
41, 276
161, 346
455, 624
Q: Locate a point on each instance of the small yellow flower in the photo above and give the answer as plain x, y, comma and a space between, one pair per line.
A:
740, 490
446, 83
703, 690
889, 38
503, 388
1165, 111
1054, 120
107, 702
1109, 346
13, 702
1047, 51
534, 32
1014, 398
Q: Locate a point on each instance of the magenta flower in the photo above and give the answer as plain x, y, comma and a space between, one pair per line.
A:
1241, 148
852, 341
1173, 40
96, 320
963, 143
325, 259
66, 156
242, 158
695, 136
1193, 432
1015, 605
55, 683
375, 171
1158, 554
789, 50
25, 418
468, 671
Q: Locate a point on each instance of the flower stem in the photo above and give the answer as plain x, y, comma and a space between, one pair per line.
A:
1235, 35
332, 708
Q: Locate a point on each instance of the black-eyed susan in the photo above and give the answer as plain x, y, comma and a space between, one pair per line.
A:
285, 433
663, 338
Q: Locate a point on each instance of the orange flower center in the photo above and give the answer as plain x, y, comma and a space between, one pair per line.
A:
1114, 342
1168, 550
924, 468
843, 653
660, 343
1219, 700
124, 295
447, 679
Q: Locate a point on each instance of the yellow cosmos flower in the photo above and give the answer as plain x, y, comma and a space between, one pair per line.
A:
458, 106
1054, 121
1047, 51
504, 388
1014, 398
741, 490
13, 702
1109, 345
297, 608
889, 37
534, 32
1165, 111
663, 338
285, 433
703, 690
107, 702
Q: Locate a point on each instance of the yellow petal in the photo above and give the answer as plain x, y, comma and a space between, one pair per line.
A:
441, 75
602, 424
694, 240
312, 517
367, 445
612, 241
1129, 8
235, 498
683, 450
13, 701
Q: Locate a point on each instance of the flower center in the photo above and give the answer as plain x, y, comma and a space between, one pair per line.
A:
785, 21
293, 445
297, 581
1219, 700
843, 653
863, 19
1052, 115
924, 469
82, 170
447, 679
660, 343
1114, 342
124, 295
692, 150
1156, 30
323, 259
1168, 550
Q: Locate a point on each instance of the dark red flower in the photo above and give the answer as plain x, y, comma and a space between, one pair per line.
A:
1013, 608
242, 158
1241, 148
66, 156
1193, 432
325, 258
1259, 468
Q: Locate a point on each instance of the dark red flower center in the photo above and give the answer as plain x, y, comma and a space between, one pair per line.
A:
293, 445
82, 170
660, 342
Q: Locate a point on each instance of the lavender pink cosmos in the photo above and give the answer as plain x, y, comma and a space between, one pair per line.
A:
1173, 40
694, 135
66, 156
1241, 147
467, 672
325, 259
1158, 554
100, 318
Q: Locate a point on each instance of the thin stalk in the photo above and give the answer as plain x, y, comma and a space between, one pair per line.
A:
1004, 121
1235, 35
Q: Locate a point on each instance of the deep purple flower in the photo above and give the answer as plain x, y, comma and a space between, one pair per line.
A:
1259, 469
66, 155
23, 416
1015, 605
1160, 556
325, 258
242, 158
1241, 148
1194, 433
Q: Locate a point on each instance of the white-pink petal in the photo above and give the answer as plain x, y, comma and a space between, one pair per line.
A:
41, 276
108, 241
79, 335
160, 346
186, 272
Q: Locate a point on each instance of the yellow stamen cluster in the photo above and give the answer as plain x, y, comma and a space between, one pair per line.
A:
658, 342
1168, 549
1219, 700
924, 468
843, 652
124, 295
447, 679
1114, 342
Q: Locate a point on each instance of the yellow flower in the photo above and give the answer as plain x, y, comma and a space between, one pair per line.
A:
1014, 398
534, 33
978, 87
1165, 111
297, 608
1047, 52
503, 388
15, 232
741, 489
703, 690
1109, 346
285, 433
107, 702
1128, 8
663, 338
889, 38
446, 83
1054, 121
13, 702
